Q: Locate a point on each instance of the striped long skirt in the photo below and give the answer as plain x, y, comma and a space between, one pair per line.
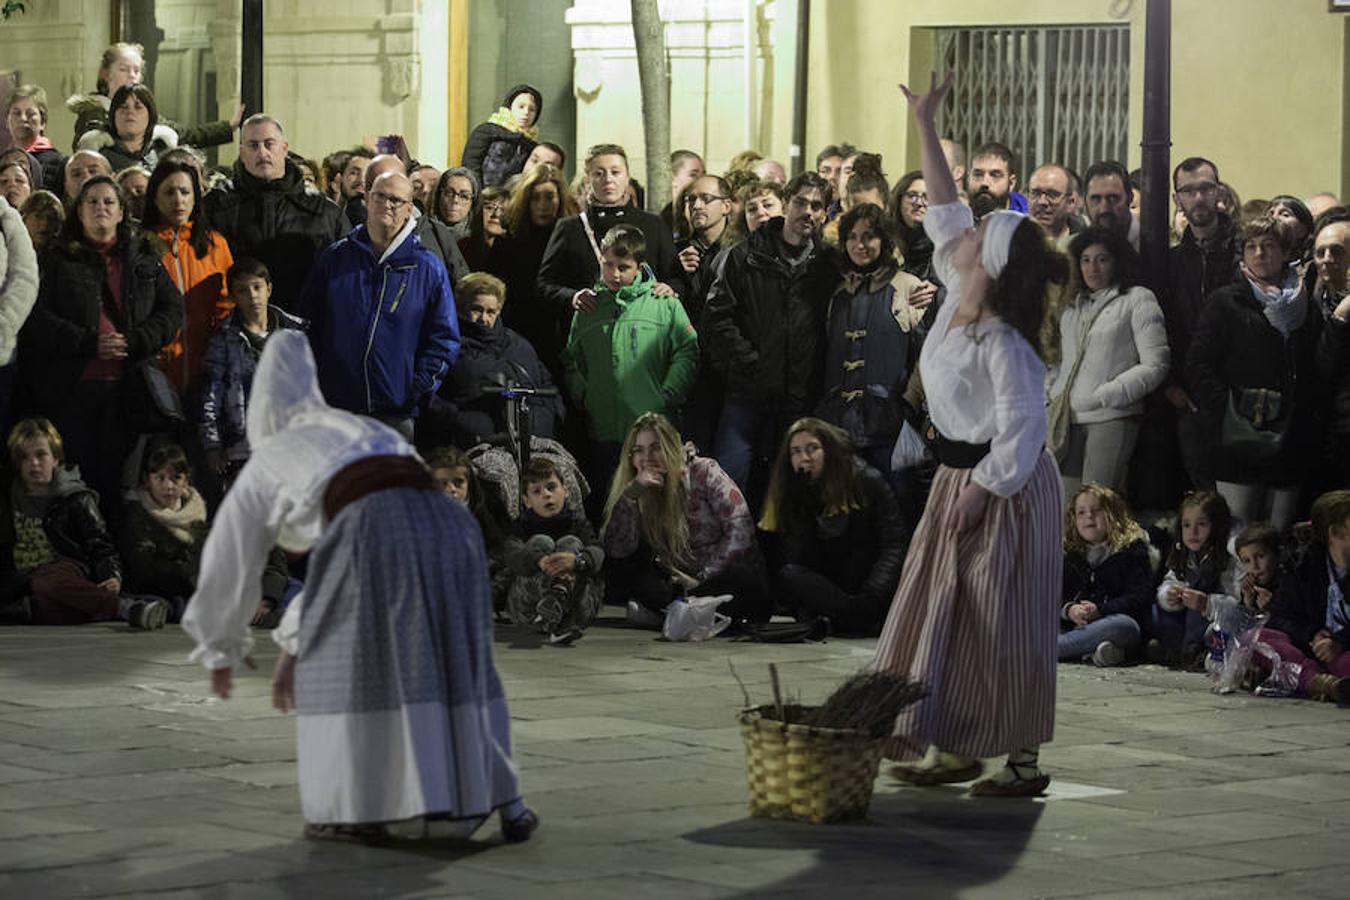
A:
400, 712
975, 620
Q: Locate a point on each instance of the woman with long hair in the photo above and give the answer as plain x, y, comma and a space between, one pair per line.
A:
834, 535
487, 227
677, 525
539, 200
196, 258
973, 619
105, 309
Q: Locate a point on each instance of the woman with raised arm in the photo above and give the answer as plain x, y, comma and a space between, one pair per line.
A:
972, 619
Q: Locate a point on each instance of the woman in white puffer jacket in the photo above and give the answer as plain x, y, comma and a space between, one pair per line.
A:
1114, 353
18, 290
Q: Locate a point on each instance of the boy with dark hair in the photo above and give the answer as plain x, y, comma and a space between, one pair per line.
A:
636, 353
1310, 615
554, 558
231, 358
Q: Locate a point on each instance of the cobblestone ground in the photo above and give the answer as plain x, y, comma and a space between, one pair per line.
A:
120, 776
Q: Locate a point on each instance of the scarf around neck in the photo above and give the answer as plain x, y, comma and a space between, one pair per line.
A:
178, 522
1285, 307
504, 118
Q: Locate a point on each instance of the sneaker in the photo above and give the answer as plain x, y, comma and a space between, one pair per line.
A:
642, 617
566, 637
549, 611
1108, 655
147, 615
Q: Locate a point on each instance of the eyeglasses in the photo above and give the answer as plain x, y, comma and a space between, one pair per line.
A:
461, 196
916, 197
1041, 194
705, 199
394, 203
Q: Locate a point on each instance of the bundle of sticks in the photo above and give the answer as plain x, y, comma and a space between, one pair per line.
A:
868, 702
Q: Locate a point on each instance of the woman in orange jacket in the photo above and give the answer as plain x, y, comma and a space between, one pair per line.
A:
197, 259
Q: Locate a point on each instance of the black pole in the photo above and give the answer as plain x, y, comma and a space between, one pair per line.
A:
251, 58
797, 152
1157, 141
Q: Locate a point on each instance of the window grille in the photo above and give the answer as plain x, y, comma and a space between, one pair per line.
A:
1058, 94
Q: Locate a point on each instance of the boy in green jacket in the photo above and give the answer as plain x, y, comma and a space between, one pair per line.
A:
635, 353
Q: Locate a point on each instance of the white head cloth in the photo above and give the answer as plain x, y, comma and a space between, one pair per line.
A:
998, 231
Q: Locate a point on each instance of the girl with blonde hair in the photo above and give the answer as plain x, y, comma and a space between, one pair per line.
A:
676, 524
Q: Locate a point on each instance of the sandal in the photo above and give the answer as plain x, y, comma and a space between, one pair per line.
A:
519, 829
1022, 787
937, 774
369, 835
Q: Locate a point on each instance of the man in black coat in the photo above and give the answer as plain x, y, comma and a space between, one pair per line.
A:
267, 213
764, 324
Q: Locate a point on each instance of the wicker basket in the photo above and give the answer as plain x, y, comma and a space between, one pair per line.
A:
805, 773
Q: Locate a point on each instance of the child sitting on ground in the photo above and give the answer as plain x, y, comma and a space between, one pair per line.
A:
1108, 580
1258, 551
1200, 576
230, 361
162, 536
1310, 613
554, 558
453, 472
636, 353
58, 565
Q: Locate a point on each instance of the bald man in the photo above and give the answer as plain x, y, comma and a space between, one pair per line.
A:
382, 317
434, 234
1320, 203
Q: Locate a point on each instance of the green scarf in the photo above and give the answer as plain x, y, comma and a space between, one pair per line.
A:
504, 118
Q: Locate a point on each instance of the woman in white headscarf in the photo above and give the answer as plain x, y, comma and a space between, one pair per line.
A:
388, 658
974, 618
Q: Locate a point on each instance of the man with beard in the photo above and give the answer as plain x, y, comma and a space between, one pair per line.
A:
764, 322
990, 182
1205, 259
834, 534
1328, 282
1108, 199
707, 204
1050, 202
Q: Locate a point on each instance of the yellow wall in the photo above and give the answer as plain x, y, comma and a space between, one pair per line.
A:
1260, 86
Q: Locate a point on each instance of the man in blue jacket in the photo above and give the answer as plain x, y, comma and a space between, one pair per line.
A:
382, 315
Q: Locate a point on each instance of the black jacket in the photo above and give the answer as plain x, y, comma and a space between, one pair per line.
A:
1299, 608
699, 282
494, 153
53, 164
463, 412
764, 322
1337, 408
436, 236
1121, 584
74, 527
569, 262
1193, 273
1235, 347
539, 321
61, 335
277, 222
875, 534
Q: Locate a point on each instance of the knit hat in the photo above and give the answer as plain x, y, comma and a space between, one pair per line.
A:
998, 232
519, 89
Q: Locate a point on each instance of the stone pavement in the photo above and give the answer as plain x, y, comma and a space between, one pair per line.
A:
120, 776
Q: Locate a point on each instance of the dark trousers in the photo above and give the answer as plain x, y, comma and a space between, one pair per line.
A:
64, 595
1180, 630
747, 437
810, 594
638, 577
93, 428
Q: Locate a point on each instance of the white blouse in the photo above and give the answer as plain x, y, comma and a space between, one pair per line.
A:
984, 381
299, 443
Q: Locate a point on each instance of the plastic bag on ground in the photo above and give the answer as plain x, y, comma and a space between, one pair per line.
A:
695, 618
1283, 678
1232, 641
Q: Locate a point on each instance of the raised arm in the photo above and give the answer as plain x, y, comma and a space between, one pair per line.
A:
936, 175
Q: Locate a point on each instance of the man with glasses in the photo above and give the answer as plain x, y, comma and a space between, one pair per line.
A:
764, 324
707, 206
382, 317
1050, 203
266, 213
435, 235
1205, 259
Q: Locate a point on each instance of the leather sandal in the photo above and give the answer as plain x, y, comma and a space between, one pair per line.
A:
1023, 787
369, 835
937, 774
519, 829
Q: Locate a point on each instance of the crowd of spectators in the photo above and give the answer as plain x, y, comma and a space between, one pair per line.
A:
728, 399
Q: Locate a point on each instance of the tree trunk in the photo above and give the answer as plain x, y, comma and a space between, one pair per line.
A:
650, 37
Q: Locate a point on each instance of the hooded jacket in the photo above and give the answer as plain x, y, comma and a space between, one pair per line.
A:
465, 409
160, 139
227, 380
91, 113
72, 524
495, 152
277, 222
18, 279
764, 321
636, 353
206, 301
383, 327
61, 335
